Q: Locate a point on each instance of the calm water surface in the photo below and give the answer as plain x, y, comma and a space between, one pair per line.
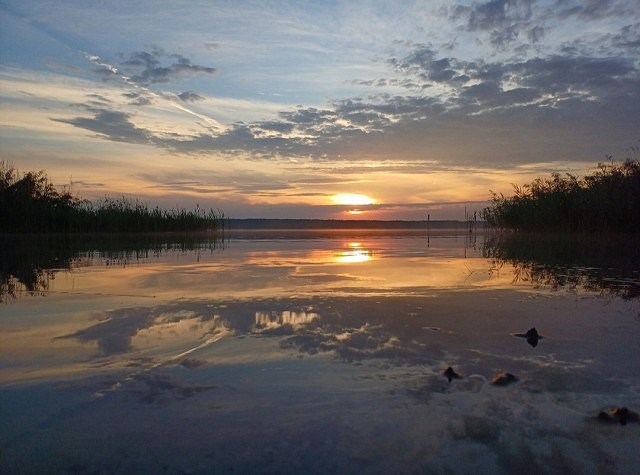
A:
318, 353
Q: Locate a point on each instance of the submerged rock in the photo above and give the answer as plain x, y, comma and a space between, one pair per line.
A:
451, 374
531, 335
621, 415
503, 379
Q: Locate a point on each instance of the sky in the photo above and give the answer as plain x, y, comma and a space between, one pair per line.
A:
391, 109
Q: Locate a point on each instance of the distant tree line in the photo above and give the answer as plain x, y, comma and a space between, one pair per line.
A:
607, 200
30, 203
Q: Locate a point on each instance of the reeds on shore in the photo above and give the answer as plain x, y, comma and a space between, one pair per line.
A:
31, 203
607, 200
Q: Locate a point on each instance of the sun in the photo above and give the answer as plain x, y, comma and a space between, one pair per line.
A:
352, 199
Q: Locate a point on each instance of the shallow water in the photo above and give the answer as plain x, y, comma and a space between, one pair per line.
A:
317, 354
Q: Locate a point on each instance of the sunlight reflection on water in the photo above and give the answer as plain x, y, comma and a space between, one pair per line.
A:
356, 253
321, 354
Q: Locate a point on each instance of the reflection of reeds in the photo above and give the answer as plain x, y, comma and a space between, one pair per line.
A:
609, 264
32, 204
29, 262
607, 200
34, 281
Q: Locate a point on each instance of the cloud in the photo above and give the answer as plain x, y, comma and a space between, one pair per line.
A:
145, 67
441, 97
509, 83
475, 100
503, 20
112, 125
190, 96
489, 15
138, 98
249, 183
560, 74
503, 24
628, 38
589, 10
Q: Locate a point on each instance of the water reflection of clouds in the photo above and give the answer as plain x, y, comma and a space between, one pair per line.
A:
380, 335
129, 330
113, 331
350, 329
429, 332
259, 281
172, 330
273, 319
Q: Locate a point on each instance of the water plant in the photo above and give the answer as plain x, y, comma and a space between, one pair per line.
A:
607, 200
31, 203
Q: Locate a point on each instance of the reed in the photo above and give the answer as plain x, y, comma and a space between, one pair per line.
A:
31, 203
607, 200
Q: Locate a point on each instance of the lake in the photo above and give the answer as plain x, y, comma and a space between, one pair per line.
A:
320, 352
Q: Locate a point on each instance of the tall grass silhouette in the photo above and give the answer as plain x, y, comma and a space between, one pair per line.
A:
31, 203
607, 200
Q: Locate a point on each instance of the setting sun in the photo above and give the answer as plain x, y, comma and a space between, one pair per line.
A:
352, 199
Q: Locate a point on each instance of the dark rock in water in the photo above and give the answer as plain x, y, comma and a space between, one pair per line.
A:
621, 415
451, 374
532, 336
503, 379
